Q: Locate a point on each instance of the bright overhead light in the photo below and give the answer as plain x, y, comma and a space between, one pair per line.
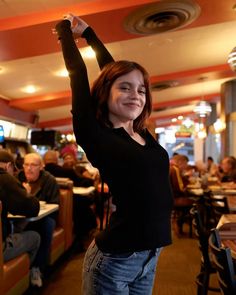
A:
188, 123
88, 52
174, 120
180, 117
63, 73
202, 109
219, 126
29, 89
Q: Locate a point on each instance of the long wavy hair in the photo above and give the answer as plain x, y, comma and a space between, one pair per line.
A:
101, 87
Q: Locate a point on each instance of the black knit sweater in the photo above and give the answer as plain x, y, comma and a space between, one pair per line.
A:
138, 176
15, 200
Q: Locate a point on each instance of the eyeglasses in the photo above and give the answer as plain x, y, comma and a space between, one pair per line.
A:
32, 165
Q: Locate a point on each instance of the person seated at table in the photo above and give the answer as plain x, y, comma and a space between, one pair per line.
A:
50, 159
43, 186
228, 169
84, 217
70, 161
16, 201
211, 167
182, 203
178, 166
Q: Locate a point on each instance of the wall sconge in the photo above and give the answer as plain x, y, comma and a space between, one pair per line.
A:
219, 126
200, 130
232, 59
202, 134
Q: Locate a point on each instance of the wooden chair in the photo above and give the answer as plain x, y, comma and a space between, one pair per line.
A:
181, 213
206, 268
224, 264
219, 206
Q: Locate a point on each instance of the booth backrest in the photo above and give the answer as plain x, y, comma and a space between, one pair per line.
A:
65, 218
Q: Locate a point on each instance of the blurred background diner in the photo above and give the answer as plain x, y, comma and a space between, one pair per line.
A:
193, 115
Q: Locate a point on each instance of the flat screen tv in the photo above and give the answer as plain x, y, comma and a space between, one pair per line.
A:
43, 137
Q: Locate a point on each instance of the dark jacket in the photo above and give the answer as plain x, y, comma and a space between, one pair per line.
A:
59, 171
15, 200
45, 188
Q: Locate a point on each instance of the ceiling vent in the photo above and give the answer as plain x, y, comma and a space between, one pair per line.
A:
162, 16
163, 85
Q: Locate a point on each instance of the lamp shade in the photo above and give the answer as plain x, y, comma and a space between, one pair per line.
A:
232, 60
202, 109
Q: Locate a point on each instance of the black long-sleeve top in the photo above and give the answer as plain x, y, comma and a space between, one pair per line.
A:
137, 175
15, 200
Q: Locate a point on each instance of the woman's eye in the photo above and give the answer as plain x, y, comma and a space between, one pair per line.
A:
142, 92
125, 88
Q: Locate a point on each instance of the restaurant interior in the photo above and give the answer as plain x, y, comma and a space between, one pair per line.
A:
189, 50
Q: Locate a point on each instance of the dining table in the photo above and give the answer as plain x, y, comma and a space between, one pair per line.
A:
45, 210
227, 232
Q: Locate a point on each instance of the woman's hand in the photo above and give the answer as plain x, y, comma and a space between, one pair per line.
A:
77, 25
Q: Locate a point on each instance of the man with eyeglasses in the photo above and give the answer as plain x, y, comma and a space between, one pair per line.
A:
16, 201
44, 187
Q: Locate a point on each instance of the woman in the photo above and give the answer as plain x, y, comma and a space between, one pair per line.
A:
228, 166
108, 123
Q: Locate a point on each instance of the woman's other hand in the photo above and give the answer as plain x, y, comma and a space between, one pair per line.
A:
77, 25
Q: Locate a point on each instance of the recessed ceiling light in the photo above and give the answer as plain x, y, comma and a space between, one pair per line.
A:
63, 73
29, 89
174, 120
88, 52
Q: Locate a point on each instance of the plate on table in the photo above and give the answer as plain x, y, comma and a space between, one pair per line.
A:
196, 191
214, 187
193, 186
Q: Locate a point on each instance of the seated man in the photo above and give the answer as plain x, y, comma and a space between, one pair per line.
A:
84, 218
44, 187
179, 164
70, 161
50, 159
182, 203
15, 200
228, 166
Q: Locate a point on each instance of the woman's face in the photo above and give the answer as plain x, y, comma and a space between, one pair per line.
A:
127, 98
226, 166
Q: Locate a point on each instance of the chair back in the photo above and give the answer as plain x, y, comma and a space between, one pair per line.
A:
201, 232
223, 263
218, 205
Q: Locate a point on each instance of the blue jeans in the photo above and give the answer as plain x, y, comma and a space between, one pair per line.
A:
19, 243
123, 274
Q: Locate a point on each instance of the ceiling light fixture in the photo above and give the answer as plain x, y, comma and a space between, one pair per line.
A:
202, 108
232, 59
63, 73
29, 89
